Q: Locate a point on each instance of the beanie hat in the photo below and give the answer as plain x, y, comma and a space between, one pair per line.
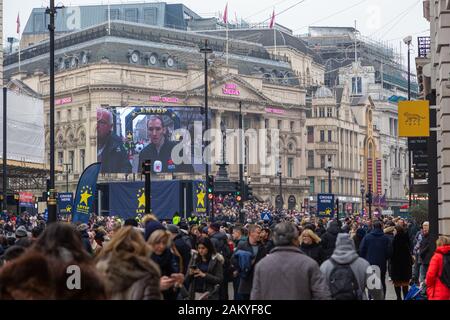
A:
151, 227
21, 232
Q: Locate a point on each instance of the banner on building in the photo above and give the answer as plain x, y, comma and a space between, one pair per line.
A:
65, 202
325, 205
199, 197
414, 118
379, 185
26, 199
369, 172
127, 200
85, 195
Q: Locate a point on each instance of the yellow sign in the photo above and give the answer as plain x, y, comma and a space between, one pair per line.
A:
414, 119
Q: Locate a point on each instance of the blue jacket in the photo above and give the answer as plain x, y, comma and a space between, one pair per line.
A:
376, 248
245, 262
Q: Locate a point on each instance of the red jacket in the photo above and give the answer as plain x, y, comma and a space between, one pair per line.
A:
436, 290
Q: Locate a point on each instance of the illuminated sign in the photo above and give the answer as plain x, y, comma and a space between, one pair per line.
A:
274, 110
164, 99
62, 101
231, 89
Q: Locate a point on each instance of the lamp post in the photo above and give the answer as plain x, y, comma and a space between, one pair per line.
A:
206, 50
329, 168
67, 171
363, 191
408, 41
280, 176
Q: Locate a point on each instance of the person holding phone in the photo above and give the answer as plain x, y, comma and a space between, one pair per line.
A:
205, 271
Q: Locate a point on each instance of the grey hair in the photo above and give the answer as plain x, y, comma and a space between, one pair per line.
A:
284, 234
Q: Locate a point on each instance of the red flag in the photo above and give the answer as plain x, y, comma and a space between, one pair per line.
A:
225, 14
18, 24
272, 20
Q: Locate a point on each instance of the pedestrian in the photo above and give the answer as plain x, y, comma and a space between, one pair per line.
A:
256, 251
425, 251
347, 274
436, 288
205, 273
287, 273
376, 248
401, 262
182, 245
10, 254
83, 230
329, 239
125, 264
171, 277
266, 239
310, 245
151, 224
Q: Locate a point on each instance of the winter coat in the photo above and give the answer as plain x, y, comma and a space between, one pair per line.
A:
376, 249
184, 250
86, 242
436, 290
425, 251
360, 234
314, 251
329, 239
401, 260
345, 254
245, 285
168, 263
136, 278
288, 274
214, 276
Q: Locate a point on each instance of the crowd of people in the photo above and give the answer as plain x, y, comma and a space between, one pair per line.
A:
285, 256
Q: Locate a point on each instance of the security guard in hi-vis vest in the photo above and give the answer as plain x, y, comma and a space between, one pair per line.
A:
176, 218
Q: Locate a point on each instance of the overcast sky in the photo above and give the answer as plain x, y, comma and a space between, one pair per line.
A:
386, 20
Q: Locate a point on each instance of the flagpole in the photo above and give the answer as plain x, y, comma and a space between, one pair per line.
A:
109, 19
227, 43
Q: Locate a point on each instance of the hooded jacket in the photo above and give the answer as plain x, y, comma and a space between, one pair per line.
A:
436, 290
376, 248
345, 254
329, 239
136, 278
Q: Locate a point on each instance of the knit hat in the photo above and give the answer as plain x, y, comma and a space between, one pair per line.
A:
151, 227
21, 232
173, 228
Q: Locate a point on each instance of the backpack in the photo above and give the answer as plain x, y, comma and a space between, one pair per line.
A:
343, 284
445, 275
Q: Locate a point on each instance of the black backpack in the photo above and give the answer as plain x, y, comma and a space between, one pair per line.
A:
343, 283
445, 276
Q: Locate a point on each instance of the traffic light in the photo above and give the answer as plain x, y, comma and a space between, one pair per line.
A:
210, 186
369, 198
237, 192
248, 193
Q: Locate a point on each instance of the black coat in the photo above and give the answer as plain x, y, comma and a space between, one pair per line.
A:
114, 157
313, 251
329, 240
401, 260
214, 276
426, 251
168, 264
184, 250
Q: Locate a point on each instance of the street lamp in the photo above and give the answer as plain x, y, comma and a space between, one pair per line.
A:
280, 175
67, 171
363, 191
206, 50
329, 168
408, 41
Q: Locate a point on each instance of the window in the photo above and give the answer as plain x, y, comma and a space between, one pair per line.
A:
322, 161
329, 112
322, 113
60, 158
266, 123
385, 170
150, 16
280, 122
38, 22
322, 186
391, 130
292, 126
395, 127
80, 113
69, 115
247, 123
310, 159
71, 158
356, 85
131, 15
58, 116
330, 136
351, 187
82, 157
395, 159
322, 135
342, 185
290, 167
310, 131
114, 14
311, 185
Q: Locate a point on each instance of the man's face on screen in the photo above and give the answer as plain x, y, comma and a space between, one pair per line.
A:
104, 124
155, 131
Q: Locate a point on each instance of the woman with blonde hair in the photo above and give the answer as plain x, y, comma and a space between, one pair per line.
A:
125, 264
165, 255
310, 245
436, 289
